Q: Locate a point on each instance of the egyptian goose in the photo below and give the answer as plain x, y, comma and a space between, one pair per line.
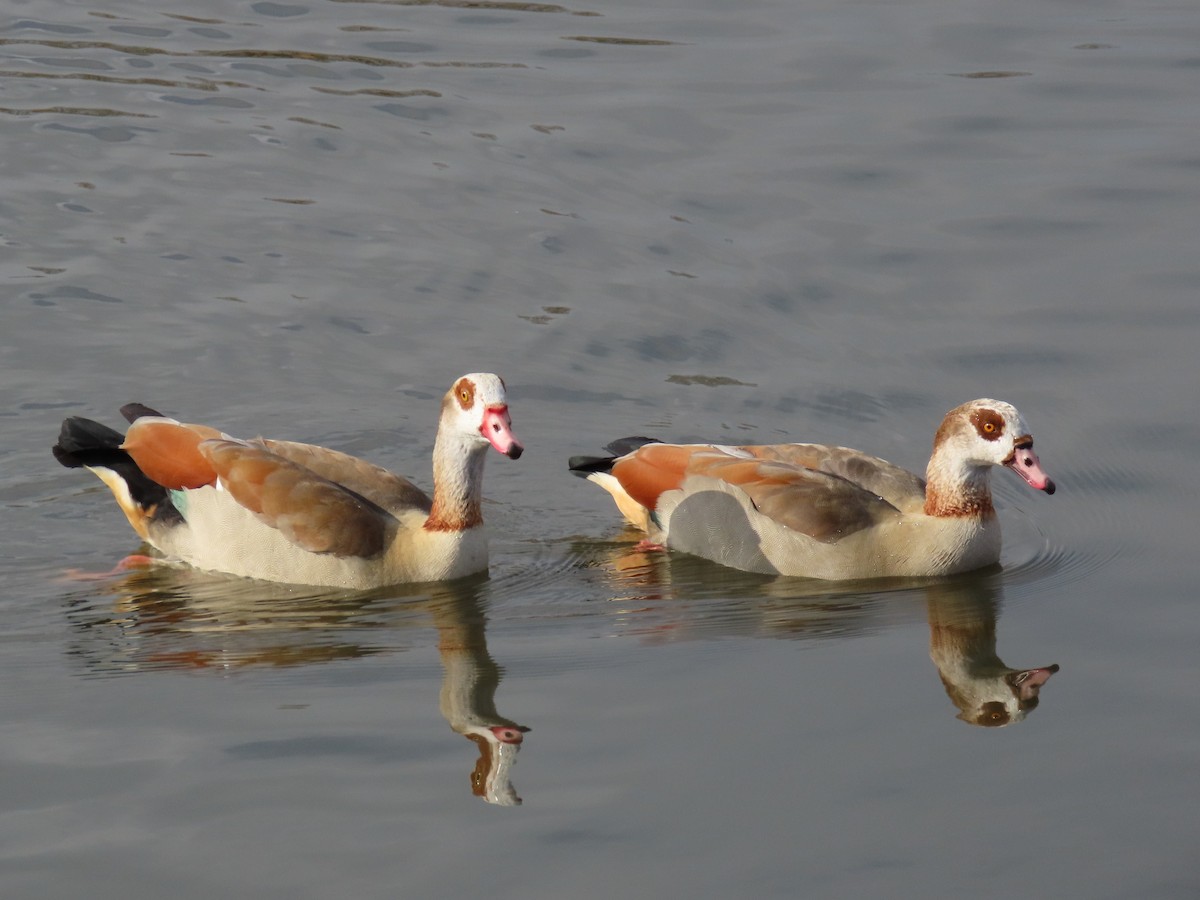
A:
298, 513
821, 511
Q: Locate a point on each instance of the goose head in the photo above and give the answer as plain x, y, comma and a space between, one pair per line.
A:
976, 436
476, 410
492, 777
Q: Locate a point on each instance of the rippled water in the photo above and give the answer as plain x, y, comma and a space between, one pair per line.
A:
756, 222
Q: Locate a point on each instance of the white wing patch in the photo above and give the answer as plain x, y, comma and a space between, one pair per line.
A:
737, 452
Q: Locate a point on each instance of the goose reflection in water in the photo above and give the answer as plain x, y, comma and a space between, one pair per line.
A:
169, 619
468, 700
962, 644
667, 596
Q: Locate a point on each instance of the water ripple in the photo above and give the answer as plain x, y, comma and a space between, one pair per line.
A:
1040, 560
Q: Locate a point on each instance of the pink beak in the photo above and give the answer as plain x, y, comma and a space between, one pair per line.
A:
509, 734
1025, 463
497, 428
1028, 682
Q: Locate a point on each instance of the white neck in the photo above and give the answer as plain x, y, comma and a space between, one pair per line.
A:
956, 488
457, 482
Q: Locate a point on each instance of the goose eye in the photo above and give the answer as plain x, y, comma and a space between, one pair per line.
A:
989, 427
464, 396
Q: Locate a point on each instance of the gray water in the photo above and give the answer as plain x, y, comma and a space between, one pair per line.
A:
756, 221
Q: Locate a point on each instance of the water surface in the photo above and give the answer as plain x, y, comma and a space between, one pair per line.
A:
747, 222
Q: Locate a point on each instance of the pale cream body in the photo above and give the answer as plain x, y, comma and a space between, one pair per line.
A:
222, 536
907, 544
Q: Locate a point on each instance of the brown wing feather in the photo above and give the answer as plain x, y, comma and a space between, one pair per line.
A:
376, 483
897, 486
652, 469
166, 452
823, 506
310, 511
824, 492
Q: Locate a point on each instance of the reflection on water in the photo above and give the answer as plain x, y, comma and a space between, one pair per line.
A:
667, 596
468, 696
962, 644
161, 618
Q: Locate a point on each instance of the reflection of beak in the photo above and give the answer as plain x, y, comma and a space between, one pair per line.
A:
497, 428
510, 734
1026, 464
1027, 683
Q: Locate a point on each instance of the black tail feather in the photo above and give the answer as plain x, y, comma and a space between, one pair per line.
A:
134, 411
622, 446
83, 442
583, 466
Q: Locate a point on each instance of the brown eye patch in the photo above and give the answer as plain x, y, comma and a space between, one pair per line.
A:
464, 392
988, 423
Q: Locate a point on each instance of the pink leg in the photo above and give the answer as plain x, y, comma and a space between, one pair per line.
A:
136, 561
649, 545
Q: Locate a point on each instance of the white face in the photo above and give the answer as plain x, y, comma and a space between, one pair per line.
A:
1001, 700
479, 408
994, 426
997, 435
